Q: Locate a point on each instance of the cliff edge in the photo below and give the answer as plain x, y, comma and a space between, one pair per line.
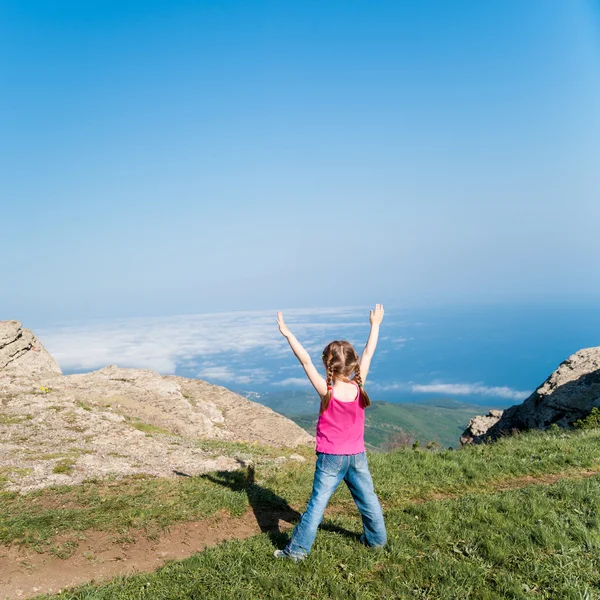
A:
569, 394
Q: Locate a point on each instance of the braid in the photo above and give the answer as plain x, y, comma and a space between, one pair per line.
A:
357, 377
340, 361
327, 397
330, 374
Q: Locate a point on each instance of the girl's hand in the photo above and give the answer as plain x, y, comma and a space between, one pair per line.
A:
376, 316
282, 326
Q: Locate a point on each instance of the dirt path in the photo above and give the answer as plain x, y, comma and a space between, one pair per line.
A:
25, 573
101, 556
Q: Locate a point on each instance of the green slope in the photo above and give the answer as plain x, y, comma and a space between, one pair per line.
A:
387, 424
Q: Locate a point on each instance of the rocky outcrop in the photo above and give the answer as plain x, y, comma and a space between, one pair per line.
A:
479, 425
569, 394
57, 429
21, 353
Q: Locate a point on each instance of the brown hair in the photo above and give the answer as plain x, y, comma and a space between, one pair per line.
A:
341, 360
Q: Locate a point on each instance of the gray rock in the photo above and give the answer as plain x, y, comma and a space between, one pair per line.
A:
297, 458
479, 425
117, 422
569, 394
21, 353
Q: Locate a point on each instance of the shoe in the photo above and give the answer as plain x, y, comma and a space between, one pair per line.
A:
363, 540
282, 554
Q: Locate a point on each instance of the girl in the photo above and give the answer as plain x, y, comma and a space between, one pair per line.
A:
340, 438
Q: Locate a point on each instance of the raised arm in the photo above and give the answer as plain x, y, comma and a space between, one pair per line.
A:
375, 317
302, 355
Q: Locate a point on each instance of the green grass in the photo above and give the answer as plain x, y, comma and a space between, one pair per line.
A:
147, 427
402, 476
9, 474
64, 466
453, 532
405, 475
150, 504
14, 419
69, 453
83, 405
538, 542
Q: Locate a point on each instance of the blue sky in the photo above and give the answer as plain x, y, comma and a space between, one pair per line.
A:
160, 158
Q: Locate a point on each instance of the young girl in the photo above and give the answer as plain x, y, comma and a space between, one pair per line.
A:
340, 438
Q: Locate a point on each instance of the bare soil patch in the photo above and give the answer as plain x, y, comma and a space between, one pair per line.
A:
101, 555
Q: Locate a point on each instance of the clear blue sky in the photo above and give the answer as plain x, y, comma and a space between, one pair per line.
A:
178, 157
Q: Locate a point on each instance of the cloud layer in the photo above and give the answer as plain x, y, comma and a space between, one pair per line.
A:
457, 389
240, 349
470, 389
207, 344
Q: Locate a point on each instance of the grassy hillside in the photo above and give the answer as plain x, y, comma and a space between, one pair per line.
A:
436, 420
517, 519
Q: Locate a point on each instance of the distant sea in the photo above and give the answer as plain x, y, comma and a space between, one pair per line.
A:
485, 355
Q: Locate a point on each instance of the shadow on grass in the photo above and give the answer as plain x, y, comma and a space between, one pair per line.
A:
268, 507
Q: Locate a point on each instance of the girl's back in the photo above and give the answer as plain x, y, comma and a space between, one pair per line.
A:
344, 391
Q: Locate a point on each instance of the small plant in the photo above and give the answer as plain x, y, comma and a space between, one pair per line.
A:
45, 390
64, 550
592, 421
64, 467
399, 439
416, 445
15, 419
148, 428
14, 471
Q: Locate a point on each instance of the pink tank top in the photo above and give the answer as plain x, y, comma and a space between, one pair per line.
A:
341, 428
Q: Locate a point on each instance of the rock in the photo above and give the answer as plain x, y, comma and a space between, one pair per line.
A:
21, 353
242, 419
297, 458
479, 425
569, 394
117, 421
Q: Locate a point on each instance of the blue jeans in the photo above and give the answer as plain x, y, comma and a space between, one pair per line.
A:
330, 470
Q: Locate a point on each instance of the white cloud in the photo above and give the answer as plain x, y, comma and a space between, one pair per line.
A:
217, 374
470, 389
164, 343
214, 373
390, 387
294, 382
454, 389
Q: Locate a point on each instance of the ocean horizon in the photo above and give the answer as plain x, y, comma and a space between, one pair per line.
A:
485, 355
